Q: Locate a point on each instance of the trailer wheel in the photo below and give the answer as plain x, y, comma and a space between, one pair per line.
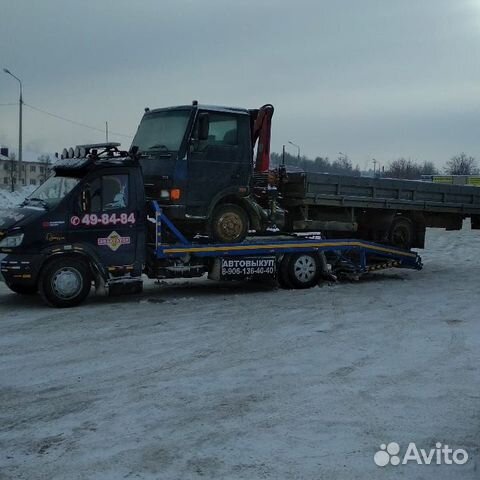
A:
229, 223
304, 270
402, 233
65, 282
22, 289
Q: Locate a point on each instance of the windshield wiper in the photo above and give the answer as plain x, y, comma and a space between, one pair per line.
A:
157, 151
39, 200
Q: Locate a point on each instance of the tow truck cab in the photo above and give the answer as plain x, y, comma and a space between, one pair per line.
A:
86, 222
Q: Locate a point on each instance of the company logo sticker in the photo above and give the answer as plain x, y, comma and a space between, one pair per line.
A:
114, 241
53, 224
55, 237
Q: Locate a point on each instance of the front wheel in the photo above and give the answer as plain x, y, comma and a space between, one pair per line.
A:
65, 282
229, 223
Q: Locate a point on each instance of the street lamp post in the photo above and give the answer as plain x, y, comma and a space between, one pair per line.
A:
7, 71
298, 150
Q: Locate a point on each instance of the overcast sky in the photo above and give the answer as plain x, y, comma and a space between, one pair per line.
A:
370, 78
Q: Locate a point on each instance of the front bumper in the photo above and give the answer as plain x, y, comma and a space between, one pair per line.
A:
174, 212
21, 269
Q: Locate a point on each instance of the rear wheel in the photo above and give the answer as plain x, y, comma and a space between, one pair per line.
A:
304, 270
229, 223
22, 289
402, 233
65, 282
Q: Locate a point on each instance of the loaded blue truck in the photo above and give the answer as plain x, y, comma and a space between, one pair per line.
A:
195, 195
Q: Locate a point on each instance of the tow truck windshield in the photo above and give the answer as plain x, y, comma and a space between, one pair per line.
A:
50, 193
161, 131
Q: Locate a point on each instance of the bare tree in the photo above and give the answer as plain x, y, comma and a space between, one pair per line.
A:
342, 165
461, 165
428, 168
409, 169
403, 168
45, 162
321, 164
12, 171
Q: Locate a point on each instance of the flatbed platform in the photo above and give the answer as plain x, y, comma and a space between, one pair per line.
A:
362, 254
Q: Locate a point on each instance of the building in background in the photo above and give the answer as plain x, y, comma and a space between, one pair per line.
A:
35, 169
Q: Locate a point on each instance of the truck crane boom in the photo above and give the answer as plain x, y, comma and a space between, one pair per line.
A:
261, 132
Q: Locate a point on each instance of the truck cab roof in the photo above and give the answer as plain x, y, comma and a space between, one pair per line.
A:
210, 108
111, 157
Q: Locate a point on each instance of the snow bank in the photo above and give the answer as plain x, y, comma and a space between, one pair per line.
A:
10, 199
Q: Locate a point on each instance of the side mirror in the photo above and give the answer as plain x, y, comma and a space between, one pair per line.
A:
203, 126
86, 200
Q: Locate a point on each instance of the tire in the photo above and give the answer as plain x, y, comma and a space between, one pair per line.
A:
65, 282
304, 270
282, 273
22, 289
229, 223
402, 233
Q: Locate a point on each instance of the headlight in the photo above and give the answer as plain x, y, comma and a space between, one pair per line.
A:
165, 194
12, 241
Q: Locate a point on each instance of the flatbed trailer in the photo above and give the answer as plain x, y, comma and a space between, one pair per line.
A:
384, 193
380, 209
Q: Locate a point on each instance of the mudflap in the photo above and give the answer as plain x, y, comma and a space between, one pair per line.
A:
129, 287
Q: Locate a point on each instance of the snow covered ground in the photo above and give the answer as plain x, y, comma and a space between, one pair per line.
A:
205, 380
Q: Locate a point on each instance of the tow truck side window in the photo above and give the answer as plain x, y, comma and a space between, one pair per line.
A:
108, 192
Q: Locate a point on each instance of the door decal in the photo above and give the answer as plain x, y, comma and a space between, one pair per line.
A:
114, 241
